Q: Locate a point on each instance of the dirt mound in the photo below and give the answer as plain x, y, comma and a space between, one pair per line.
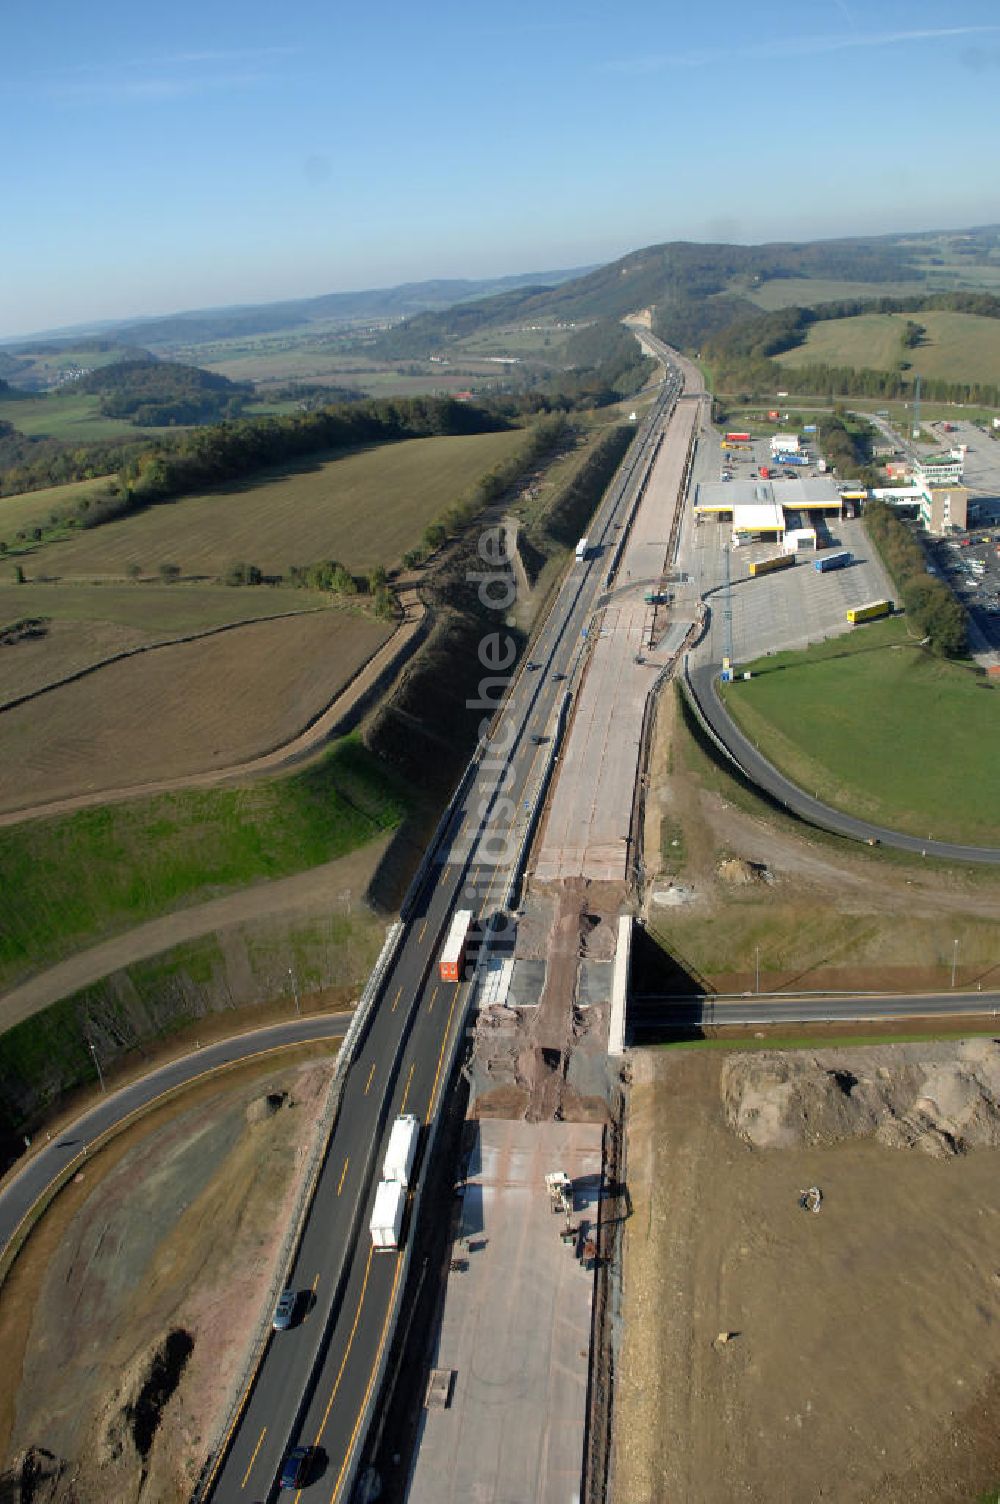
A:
737, 871
942, 1099
127, 1430
33, 1478
262, 1108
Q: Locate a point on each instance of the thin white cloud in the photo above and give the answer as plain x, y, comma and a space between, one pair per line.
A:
150, 90
160, 79
785, 47
233, 55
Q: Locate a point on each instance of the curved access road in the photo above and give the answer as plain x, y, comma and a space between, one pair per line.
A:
702, 684
25, 1186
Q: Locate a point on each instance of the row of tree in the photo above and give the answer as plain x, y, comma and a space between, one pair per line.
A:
928, 601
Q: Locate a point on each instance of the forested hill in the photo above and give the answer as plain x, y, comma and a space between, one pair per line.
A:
690, 285
159, 394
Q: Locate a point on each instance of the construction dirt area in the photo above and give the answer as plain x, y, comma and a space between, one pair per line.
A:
812, 1283
506, 1412
125, 1320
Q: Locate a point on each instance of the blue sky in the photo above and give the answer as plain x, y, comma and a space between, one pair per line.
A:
162, 157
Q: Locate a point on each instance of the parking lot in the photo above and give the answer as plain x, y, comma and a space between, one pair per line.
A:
791, 608
972, 569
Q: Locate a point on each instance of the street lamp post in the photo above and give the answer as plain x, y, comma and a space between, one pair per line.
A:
954, 961
295, 991
100, 1073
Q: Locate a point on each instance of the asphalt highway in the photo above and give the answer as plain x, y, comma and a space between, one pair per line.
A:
763, 773
26, 1185
666, 1014
316, 1380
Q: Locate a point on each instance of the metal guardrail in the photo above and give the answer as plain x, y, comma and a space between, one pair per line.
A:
359, 1027
378, 1382
296, 1227
512, 890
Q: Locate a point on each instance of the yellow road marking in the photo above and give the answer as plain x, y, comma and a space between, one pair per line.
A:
343, 1175
371, 1379
371, 1074
430, 1005
444, 1041
253, 1459
347, 1351
395, 1001
423, 931
406, 1093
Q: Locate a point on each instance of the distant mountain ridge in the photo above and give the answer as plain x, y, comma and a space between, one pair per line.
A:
695, 289
200, 325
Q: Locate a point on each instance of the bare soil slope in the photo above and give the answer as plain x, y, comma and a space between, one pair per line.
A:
153, 1268
780, 1356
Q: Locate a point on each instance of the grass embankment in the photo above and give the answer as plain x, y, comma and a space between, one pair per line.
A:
73, 881
877, 726
364, 509
956, 347
821, 911
35, 508
178, 1000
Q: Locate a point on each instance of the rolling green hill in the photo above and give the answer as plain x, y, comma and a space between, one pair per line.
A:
955, 346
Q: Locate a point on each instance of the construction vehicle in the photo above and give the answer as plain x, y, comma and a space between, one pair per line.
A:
560, 1189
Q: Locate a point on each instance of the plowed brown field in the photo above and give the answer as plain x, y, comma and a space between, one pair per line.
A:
183, 708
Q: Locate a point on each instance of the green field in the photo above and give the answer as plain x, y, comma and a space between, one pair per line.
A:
882, 729
72, 881
151, 606
75, 417
958, 347
807, 292
31, 508
363, 509
541, 344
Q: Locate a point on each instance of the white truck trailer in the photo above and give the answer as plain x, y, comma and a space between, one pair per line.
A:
582, 548
401, 1150
387, 1215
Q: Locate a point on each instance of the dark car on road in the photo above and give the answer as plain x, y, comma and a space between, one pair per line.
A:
296, 1468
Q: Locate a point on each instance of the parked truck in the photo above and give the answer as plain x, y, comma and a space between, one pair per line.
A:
790, 459
582, 548
869, 612
833, 561
737, 438
768, 566
401, 1149
765, 472
387, 1215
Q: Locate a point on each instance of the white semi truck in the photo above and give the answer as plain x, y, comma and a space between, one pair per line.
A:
387, 1215
582, 548
402, 1149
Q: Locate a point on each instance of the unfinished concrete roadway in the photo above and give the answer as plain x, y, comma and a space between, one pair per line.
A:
587, 826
